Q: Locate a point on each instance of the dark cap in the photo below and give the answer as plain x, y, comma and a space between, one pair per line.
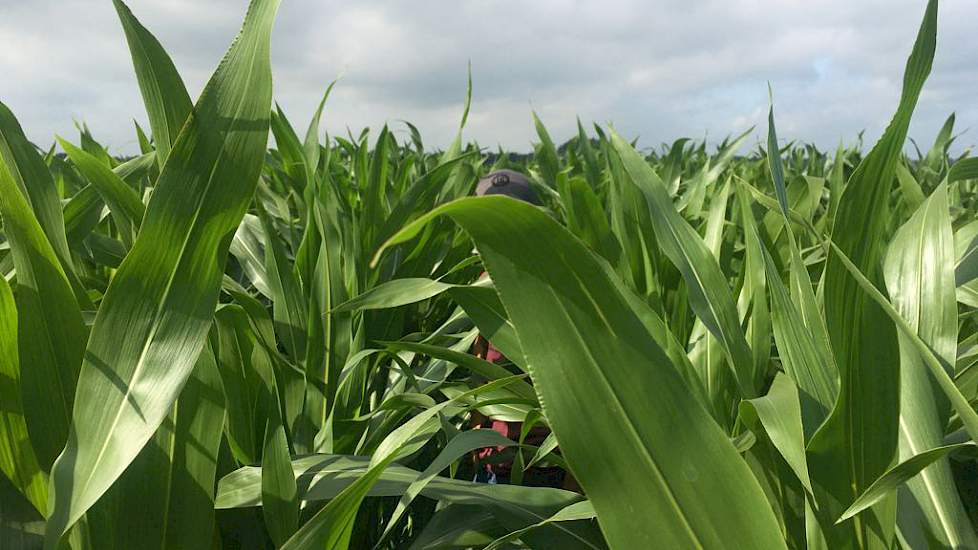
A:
509, 183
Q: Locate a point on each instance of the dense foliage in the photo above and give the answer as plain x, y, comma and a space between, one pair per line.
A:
218, 345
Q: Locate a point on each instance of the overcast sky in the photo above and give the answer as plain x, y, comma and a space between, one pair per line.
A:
657, 69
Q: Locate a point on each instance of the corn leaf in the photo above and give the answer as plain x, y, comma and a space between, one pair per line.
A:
583, 342
919, 272
710, 295
153, 321
167, 102
858, 442
51, 334
17, 459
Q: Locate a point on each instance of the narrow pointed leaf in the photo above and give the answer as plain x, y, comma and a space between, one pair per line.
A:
167, 102
28, 172
710, 295
858, 442
121, 199
889, 481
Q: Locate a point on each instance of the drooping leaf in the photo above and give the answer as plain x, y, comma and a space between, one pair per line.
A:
395, 293
779, 415
582, 342
323, 477
461, 444
332, 526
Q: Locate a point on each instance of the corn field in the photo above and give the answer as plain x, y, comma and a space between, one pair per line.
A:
217, 344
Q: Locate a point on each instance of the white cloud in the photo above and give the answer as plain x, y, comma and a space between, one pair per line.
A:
657, 69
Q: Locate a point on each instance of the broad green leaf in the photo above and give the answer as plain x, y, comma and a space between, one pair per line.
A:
307, 254
548, 446
799, 333
82, 213
587, 219
154, 318
332, 527
280, 504
966, 254
288, 305
22, 527
964, 169
753, 293
706, 352
482, 305
659, 331
145, 146
966, 413
774, 159
546, 154
583, 343
592, 169
913, 195
374, 197
246, 372
422, 194
310, 146
322, 359
458, 526
936, 158
177, 467
248, 247
799, 354
290, 149
481, 367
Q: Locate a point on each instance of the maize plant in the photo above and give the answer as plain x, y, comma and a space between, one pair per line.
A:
217, 344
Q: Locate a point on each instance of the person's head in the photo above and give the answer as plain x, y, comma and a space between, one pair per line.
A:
509, 183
